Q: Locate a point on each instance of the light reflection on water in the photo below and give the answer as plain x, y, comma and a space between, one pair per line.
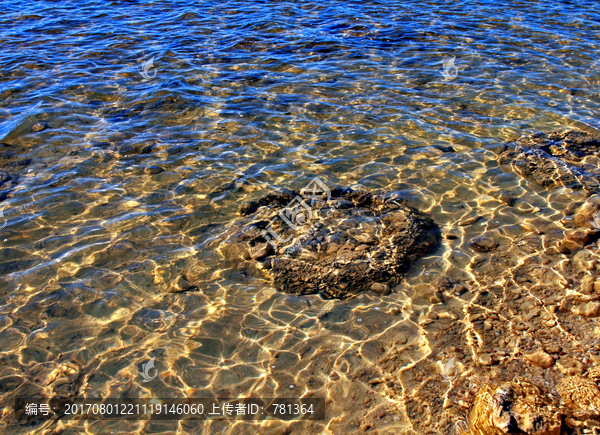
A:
130, 182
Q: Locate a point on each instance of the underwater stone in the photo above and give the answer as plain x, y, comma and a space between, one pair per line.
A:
353, 242
540, 358
514, 407
563, 158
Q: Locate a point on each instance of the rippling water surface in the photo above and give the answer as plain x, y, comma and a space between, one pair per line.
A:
131, 133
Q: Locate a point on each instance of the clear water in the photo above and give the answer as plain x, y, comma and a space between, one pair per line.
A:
136, 175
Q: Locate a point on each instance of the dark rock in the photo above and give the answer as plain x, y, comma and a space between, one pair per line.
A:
138, 148
153, 170
444, 149
4, 177
568, 158
338, 247
279, 198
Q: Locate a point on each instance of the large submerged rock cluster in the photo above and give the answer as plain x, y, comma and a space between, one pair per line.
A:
337, 246
533, 319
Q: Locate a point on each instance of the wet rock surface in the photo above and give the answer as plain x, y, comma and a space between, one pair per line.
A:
564, 158
351, 242
520, 406
514, 407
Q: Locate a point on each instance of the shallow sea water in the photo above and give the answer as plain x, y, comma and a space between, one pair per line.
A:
133, 179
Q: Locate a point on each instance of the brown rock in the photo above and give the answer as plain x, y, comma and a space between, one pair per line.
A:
593, 373
569, 366
586, 213
382, 289
485, 359
437, 297
469, 220
587, 284
553, 348
581, 395
514, 407
261, 250
555, 159
181, 284
575, 239
483, 244
540, 358
459, 289
39, 126
588, 309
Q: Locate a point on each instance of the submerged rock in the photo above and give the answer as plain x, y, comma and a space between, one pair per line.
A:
514, 407
566, 158
519, 406
336, 246
540, 358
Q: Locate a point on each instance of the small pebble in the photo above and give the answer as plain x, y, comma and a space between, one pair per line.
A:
486, 359
39, 126
382, 289
291, 387
540, 358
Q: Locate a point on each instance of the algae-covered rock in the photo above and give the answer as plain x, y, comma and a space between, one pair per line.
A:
337, 245
514, 407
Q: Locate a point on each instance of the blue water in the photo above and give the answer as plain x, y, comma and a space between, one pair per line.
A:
132, 131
